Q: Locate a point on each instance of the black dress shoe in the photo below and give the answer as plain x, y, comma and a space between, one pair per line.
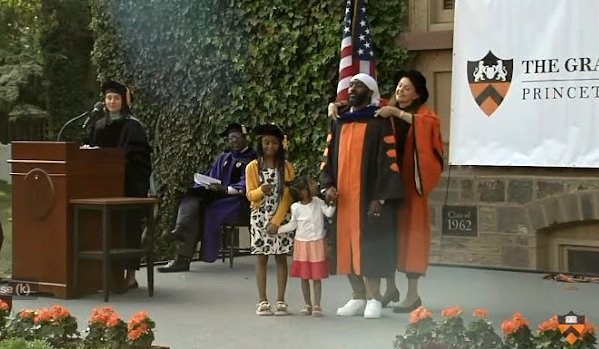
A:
388, 298
176, 234
176, 265
408, 308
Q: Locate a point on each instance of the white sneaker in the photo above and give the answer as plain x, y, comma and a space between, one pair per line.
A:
373, 310
353, 307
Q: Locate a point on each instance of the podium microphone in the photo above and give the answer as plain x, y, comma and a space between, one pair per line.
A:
98, 107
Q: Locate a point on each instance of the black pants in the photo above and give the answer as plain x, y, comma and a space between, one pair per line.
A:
190, 218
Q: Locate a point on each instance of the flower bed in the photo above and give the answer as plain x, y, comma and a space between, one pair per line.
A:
449, 332
55, 327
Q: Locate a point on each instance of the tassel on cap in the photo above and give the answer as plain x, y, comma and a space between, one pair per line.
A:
285, 142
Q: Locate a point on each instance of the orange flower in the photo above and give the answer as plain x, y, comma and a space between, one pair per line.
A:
96, 312
3, 305
508, 327
134, 334
26, 313
144, 328
104, 315
112, 321
454, 311
42, 315
137, 318
100, 318
59, 311
480, 312
519, 320
419, 314
140, 316
549, 325
139, 325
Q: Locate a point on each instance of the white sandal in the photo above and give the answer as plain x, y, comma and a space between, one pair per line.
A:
263, 309
281, 309
307, 310
316, 311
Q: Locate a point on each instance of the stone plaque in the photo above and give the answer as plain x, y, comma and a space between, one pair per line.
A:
460, 220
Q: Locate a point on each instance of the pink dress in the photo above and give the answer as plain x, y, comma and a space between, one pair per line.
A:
309, 245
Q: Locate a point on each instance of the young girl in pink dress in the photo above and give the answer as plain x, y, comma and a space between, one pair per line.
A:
309, 245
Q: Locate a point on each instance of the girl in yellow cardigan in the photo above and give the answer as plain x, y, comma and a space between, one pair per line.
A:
265, 180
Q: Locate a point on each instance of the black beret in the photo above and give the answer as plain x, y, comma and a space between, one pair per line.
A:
114, 87
269, 129
234, 127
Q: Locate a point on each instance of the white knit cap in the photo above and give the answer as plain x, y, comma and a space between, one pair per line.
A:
371, 84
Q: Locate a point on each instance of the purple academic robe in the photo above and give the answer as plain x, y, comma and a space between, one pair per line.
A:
229, 167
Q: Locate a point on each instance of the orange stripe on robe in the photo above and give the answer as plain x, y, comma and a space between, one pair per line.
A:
351, 144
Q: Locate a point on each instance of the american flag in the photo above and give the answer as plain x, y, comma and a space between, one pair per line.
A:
357, 55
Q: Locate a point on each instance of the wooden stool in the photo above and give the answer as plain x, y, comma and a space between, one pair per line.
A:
107, 206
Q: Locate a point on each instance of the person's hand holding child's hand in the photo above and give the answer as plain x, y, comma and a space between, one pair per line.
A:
331, 196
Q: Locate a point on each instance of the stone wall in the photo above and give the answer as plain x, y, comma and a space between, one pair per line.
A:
513, 205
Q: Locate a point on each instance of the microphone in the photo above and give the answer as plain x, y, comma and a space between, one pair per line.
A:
98, 107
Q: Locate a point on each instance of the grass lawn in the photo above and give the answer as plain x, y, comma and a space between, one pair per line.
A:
5, 218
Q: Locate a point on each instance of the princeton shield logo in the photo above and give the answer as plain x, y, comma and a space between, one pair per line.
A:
490, 79
571, 326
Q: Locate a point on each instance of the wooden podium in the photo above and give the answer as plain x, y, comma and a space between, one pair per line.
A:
45, 177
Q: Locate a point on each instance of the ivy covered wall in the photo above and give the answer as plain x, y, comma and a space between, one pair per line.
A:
196, 65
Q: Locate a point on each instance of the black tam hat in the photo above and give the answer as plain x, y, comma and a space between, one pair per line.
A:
270, 130
419, 82
110, 86
114, 87
234, 127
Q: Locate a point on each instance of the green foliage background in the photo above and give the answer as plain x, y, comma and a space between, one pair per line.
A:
66, 43
196, 65
21, 82
46, 75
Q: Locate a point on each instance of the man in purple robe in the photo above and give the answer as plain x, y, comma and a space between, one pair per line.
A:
203, 209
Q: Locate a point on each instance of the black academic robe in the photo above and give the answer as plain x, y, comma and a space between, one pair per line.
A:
361, 162
128, 134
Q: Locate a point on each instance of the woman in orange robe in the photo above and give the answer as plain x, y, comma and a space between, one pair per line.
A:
421, 164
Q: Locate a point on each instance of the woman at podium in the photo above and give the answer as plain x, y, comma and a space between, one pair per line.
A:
118, 128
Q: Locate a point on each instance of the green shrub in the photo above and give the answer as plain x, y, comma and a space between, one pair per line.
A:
21, 343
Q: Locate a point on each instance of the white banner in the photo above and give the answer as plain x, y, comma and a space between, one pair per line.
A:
525, 84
